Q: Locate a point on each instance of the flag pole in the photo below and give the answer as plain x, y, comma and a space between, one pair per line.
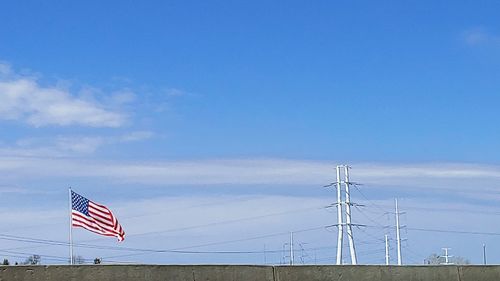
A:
70, 230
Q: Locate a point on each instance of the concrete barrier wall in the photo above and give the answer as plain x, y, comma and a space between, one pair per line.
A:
137, 272
369, 273
249, 273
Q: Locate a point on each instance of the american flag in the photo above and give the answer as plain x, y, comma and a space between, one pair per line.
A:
94, 217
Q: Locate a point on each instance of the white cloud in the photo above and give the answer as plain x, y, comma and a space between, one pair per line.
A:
174, 172
436, 171
24, 99
233, 171
459, 178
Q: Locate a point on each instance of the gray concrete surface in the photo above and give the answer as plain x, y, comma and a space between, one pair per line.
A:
249, 273
367, 272
136, 272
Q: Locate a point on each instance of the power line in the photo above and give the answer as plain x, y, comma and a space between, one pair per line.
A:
449, 210
370, 219
181, 249
125, 218
175, 250
454, 231
369, 200
445, 231
6, 237
218, 203
221, 222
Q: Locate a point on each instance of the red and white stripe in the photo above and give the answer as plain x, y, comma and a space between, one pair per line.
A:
100, 220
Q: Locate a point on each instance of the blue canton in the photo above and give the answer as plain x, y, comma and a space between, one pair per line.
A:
80, 203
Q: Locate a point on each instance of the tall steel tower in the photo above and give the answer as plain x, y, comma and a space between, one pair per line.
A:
343, 181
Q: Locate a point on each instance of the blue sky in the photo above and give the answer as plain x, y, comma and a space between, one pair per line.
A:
142, 106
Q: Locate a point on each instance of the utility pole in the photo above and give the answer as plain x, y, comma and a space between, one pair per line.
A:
350, 236
484, 254
387, 258
446, 256
398, 234
70, 202
291, 249
265, 258
303, 254
339, 218
283, 254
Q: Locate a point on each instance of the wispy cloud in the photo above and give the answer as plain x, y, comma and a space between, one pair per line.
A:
24, 99
173, 92
17, 190
175, 172
480, 36
63, 146
419, 177
90, 144
136, 136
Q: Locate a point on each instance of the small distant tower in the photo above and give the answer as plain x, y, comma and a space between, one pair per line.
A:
387, 257
398, 233
291, 252
446, 257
